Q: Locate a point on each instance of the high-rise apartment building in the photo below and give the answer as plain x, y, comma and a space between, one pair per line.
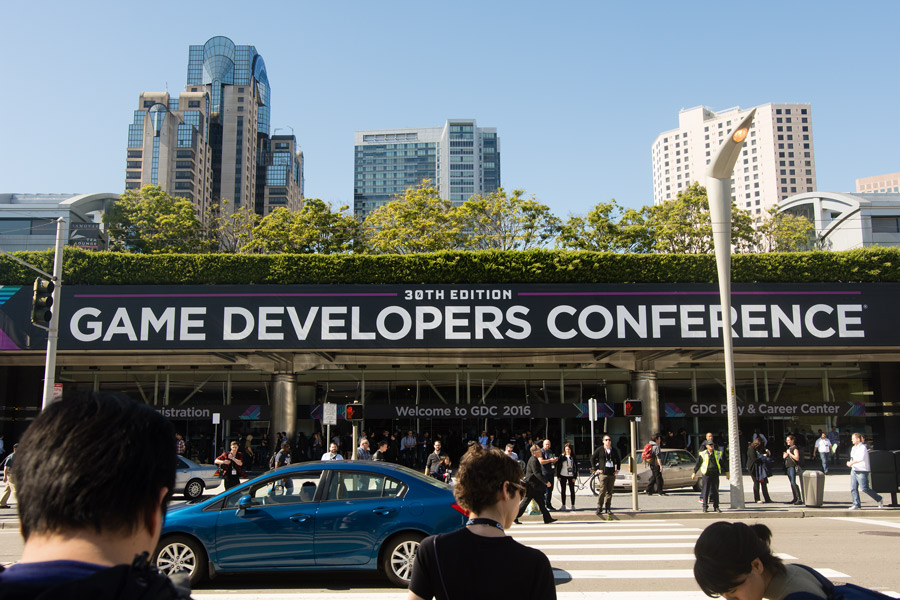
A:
212, 142
777, 159
879, 184
460, 158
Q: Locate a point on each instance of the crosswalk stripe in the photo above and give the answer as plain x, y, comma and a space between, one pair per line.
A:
570, 538
630, 557
568, 575
612, 546
401, 595
893, 524
604, 525
599, 530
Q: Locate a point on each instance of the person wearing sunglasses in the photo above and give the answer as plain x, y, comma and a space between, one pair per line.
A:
480, 560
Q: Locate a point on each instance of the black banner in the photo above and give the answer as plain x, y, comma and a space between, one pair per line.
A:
450, 316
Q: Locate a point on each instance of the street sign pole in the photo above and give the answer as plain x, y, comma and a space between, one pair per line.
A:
632, 423
592, 416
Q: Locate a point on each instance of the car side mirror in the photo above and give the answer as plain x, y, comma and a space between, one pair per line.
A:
245, 502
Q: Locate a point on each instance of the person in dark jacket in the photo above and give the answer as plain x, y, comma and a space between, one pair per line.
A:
535, 486
91, 506
757, 464
606, 462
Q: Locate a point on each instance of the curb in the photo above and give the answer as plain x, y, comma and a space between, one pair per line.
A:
628, 515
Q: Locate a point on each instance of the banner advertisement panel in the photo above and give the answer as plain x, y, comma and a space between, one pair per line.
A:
455, 316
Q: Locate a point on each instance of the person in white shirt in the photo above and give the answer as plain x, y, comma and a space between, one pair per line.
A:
859, 472
332, 453
408, 448
509, 452
823, 447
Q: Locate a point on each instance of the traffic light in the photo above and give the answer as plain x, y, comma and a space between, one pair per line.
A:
354, 412
632, 408
42, 301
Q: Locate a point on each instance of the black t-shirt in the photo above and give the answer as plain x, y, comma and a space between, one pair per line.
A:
475, 567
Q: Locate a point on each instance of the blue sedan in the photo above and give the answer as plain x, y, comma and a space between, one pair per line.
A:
331, 515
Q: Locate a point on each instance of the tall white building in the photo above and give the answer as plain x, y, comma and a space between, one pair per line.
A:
777, 160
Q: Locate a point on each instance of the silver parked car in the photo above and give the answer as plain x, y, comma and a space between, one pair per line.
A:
191, 479
678, 465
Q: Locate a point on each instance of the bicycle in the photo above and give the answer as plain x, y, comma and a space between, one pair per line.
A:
593, 481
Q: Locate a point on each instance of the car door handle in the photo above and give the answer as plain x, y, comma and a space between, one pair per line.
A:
384, 512
300, 518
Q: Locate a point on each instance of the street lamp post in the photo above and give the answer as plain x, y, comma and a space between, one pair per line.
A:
718, 189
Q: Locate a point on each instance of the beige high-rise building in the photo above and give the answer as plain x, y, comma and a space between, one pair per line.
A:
777, 160
212, 142
879, 184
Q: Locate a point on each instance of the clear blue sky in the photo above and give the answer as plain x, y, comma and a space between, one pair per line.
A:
577, 90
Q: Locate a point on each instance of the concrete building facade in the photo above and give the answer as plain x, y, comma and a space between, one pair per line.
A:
460, 158
849, 221
879, 184
777, 161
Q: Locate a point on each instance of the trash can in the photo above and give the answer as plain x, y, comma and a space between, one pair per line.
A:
813, 483
883, 471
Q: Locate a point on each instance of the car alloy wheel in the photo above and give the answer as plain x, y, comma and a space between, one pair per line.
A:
194, 489
399, 556
181, 554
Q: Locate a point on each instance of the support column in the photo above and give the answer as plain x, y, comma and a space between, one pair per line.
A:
284, 404
644, 388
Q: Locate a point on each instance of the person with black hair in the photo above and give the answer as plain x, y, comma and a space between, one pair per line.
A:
535, 484
655, 464
735, 561
480, 560
91, 506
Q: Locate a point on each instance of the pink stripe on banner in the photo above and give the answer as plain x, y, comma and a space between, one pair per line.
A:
248, 295
687, 293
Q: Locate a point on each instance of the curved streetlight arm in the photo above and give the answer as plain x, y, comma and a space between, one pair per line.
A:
718, 190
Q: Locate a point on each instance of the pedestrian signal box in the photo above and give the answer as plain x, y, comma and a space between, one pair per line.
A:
632, 408
354, 412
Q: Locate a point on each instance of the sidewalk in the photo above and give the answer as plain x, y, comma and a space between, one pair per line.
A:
684, 504
679, 504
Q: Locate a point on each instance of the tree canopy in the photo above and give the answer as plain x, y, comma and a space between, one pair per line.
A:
150, 221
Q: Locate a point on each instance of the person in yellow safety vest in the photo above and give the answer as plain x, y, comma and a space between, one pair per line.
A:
710, 467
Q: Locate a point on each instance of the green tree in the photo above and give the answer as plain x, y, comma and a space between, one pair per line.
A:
683, 225
314, 229
418, 221
496, 221
150, 221
598, 231
230, 230
786, 232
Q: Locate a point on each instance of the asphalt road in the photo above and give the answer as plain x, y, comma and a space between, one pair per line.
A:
623, 559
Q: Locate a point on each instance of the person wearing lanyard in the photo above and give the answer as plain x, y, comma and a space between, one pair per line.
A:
480, 560
606, 462
566, 471
232, 465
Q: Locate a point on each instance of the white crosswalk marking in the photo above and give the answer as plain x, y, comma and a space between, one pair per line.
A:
614, 560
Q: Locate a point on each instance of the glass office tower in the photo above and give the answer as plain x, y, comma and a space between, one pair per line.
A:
460, 158
213, 143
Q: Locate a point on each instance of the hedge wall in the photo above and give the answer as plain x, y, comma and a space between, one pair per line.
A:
537, 266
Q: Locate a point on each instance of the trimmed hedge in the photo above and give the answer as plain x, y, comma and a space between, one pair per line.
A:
83, 267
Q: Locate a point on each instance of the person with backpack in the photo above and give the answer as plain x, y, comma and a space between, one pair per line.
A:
735, 560
651, 457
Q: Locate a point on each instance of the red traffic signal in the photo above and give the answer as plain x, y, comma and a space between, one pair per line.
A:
632, 408
354, 412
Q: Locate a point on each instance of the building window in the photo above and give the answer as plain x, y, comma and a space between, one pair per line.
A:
193, 104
